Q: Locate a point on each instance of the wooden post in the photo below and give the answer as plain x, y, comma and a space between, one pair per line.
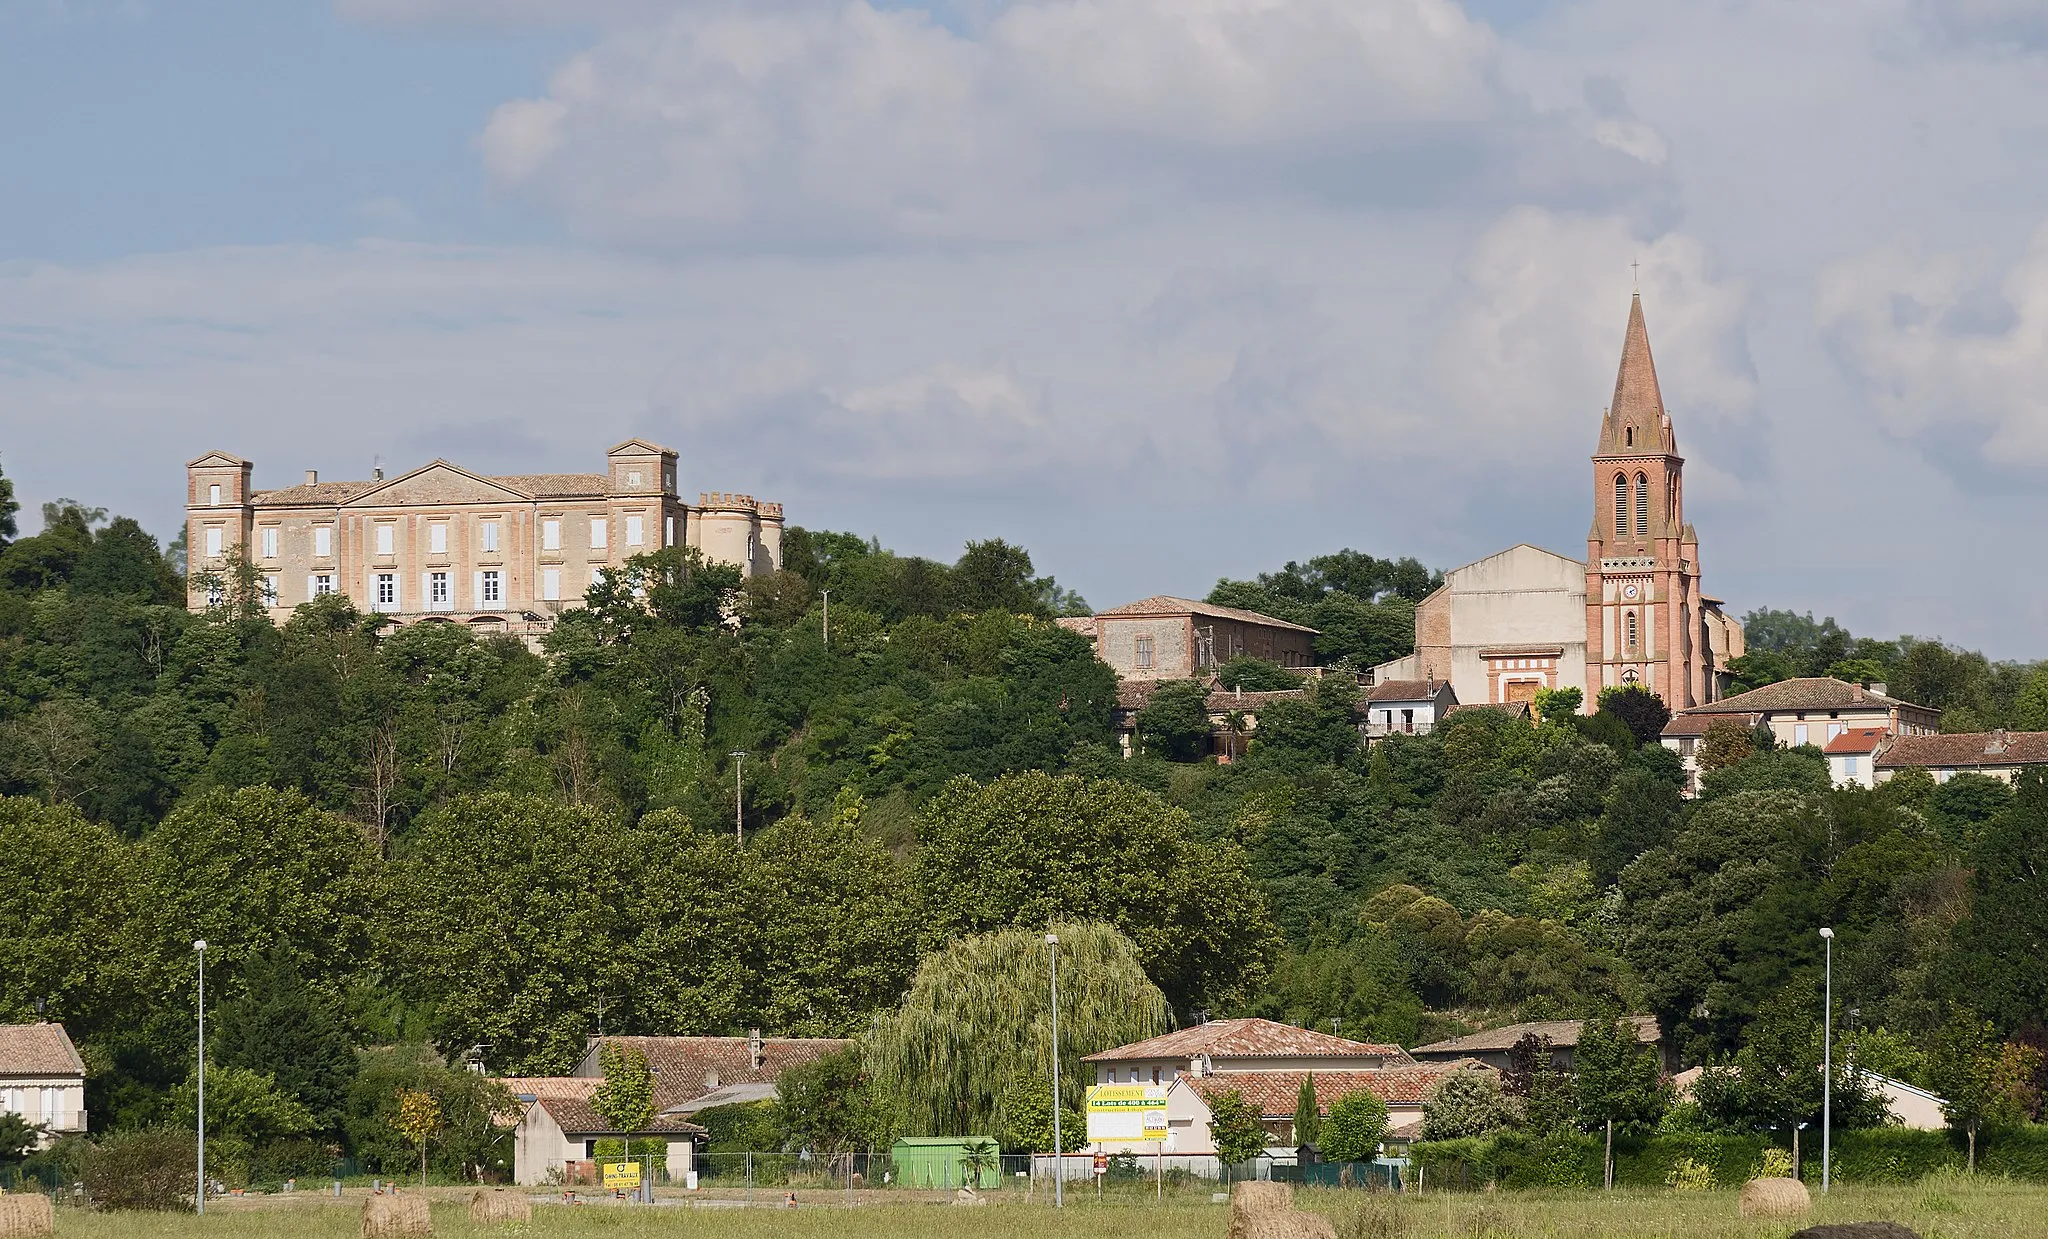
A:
1609, 1170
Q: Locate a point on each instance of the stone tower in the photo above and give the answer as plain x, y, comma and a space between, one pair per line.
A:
1645, 615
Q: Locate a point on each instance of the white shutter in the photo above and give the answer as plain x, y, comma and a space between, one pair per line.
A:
310, 595
426, 592
476, 598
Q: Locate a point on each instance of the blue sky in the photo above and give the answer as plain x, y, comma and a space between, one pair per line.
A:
1162, 289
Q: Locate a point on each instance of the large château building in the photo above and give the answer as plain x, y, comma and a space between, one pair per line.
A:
1633, 612
505, 554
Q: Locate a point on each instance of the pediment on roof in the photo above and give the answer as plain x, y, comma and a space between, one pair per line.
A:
640, 445
437, 483
216, 460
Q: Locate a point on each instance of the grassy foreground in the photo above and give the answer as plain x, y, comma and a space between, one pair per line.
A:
1939, 1208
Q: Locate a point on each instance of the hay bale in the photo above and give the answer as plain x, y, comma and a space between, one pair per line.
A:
1857, 1230
1289, 1224
1256, 1198
1265, 1210
1775, 1198
26, 1213
396, 1215
499, 1205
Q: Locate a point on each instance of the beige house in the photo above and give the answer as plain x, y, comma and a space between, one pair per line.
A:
42, 1078
1999, 754
503, 554
555, 1140
686, 1069
1815, 710
1236, 1046
1166, 638
1404, 1088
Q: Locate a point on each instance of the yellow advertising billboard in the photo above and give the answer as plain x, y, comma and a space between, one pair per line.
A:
622, 1174
1126, 1112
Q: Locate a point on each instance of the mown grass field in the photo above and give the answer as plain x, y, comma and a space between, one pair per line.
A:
1941, 1208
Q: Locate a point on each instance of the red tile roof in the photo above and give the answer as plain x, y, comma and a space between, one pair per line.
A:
1562, 1034
1406, 690
1275, 1092
1818, 692
1856, 740
38, 1050
1969, 748
1166, 604
686, 1068
1247, 1038
1694, 723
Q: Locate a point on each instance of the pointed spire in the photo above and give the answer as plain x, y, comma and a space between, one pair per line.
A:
1636, 422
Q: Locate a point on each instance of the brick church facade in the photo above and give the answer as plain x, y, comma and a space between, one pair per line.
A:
1633, 612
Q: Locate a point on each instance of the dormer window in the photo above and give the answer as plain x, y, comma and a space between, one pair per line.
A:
213, 494
633, 478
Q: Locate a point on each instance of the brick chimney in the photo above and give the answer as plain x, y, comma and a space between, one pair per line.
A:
755, 1052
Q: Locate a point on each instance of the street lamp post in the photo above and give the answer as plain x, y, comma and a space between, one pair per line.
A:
199, 1200
1827, 1058
1059, 1168
739, 834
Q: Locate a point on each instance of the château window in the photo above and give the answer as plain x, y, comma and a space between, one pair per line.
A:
1144, 651
213, 494
323, 541
385, 538
1620, 506
1642, 506
269, 541
490, 536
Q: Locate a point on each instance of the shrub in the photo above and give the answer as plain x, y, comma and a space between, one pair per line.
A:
1773, 1164
1688, 1175
150, 1169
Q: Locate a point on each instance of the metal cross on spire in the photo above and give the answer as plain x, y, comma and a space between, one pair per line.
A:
1635, 275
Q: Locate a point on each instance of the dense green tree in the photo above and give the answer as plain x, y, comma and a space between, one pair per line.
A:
9, 505
1308, 1114
1355, 1128
1174, 721
830, 1105
1998, 946
1466, 1103
1643, 711
1235, 1129
1032, 848
279, 1027
1618, 1080
977, 1022
624, 1098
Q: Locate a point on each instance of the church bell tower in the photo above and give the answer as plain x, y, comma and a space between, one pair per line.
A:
1644, 622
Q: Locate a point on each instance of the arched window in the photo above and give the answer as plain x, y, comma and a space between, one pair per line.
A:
1642, 506
1620, 505
1634, 637
1629, 436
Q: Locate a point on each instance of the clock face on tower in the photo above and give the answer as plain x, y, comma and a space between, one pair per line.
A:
1628, 591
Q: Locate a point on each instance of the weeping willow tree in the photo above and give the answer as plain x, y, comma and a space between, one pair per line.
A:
977, 1024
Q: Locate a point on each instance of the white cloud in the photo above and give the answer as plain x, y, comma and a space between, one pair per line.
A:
800, 124
1946, 358
1544, 301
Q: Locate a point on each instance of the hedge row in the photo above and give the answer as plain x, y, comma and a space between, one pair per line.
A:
1874, 1155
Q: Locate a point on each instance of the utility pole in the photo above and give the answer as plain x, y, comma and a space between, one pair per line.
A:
739, 833
1059, 1156
199, 1201
1827, 1061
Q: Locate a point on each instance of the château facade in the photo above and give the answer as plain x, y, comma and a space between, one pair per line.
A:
500, 553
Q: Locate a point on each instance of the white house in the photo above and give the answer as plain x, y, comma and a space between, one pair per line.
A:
42, 1078
1275, 1093
1407, 707
558, 1130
